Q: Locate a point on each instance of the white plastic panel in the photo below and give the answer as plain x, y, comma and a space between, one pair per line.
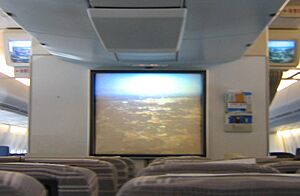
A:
6, 21
215, 50
80, 49
137, 3
216, 18
55, 17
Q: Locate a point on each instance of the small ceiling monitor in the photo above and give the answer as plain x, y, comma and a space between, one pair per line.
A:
282, 51
19, 50
283, 48
17, 46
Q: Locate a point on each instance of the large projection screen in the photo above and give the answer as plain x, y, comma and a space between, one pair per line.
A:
148, 113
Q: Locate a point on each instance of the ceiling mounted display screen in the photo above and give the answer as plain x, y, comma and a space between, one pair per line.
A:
140, 113
17, 46
20, 51
282, 51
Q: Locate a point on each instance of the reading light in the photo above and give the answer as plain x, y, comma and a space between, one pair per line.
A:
150, 65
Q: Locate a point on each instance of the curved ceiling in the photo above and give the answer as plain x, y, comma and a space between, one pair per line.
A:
215, 31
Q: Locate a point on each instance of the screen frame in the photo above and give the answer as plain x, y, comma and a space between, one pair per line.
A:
296, 57
92, 138
15, 35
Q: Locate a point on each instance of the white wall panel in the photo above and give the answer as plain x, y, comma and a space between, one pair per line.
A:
247, 74
60, 96
59, 103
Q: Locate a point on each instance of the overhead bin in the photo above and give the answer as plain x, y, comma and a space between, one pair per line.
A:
137, 3
285, 108
14, 96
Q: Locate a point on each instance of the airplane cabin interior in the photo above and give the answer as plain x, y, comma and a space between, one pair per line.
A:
149, 97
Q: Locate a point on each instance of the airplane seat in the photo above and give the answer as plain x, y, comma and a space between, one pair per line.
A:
4, 151
245, 184
282, 154
121, 166
164, 160
131, 167
106, 172
286, 166
297, 156
267, 160
15, 184
205, 168
59, 179
11, 159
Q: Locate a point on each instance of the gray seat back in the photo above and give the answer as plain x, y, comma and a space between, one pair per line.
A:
163, 160
106, 172
131, 167
11, 159
71, 181
286, 166
18, 184
121, 166
204, 167
213, 184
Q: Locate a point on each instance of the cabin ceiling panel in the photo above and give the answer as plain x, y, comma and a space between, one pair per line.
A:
215, 50
6, 21
215, 18
81, 49
221, 28
56, 17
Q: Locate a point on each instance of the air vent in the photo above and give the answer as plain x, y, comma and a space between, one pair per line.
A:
137, 3
146, 57
139, 30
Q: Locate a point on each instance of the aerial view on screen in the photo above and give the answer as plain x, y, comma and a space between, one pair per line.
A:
20, 51
148, 113
282, 51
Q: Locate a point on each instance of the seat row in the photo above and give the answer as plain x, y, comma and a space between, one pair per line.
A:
193, 175
74, 176
204, 177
